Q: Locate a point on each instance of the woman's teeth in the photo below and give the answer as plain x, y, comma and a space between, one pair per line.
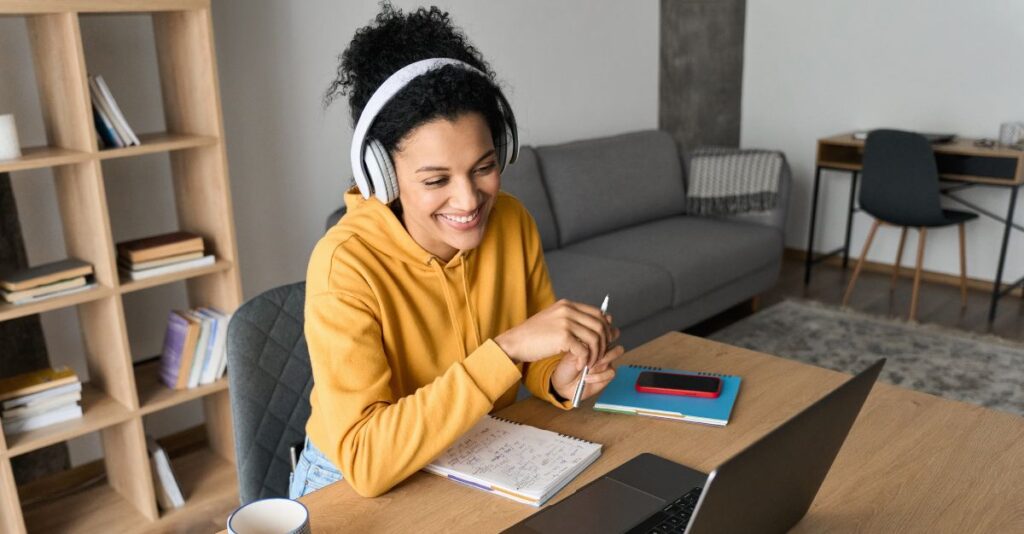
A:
462, 220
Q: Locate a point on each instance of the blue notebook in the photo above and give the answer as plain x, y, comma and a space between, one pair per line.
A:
621, 396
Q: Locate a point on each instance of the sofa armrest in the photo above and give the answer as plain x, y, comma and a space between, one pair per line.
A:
775, 218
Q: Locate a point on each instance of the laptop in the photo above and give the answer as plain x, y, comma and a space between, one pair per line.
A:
766, 487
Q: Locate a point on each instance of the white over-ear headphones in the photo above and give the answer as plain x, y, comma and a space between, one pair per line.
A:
371, 165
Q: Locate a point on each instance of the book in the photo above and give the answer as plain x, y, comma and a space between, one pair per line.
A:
202, 346
43, 405
101, 104
34, 399
18, 296
35, 381
131, 138
513, 460
171, 268
140, 266
104, 130
47, 273
159, 246
66, 413
173, 348
218, 344
55, 294
168, 493
621, 396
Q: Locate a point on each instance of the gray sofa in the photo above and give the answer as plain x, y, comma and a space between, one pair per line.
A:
611, 214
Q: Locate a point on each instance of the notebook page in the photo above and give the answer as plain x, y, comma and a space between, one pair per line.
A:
518, 457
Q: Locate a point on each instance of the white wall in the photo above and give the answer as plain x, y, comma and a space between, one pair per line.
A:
571, 69
813, 69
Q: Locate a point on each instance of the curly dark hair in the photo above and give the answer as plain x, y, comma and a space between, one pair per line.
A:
393, 40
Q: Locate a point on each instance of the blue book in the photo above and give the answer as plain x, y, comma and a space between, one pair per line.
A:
621, 396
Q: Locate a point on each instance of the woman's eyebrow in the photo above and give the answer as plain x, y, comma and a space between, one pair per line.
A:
434, 169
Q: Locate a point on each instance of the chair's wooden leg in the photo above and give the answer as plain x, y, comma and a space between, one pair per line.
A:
963, 268
922, 234
860, 261
899, 259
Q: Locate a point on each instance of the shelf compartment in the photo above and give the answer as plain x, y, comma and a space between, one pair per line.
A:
10, 311
127, 286
153, 143
99, 411
41, 157
206, 481
155, 396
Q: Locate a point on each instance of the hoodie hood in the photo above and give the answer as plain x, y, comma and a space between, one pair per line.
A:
377, 226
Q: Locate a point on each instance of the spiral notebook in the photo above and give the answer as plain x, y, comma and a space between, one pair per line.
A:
621, 396
516, 461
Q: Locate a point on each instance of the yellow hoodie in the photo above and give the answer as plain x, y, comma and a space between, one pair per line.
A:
401, 344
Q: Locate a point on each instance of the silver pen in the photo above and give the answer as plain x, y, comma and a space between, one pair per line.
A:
586, 368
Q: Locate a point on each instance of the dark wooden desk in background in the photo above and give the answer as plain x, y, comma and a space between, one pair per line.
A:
960, 161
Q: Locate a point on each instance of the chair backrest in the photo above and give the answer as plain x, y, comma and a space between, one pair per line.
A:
269, 383
900, 179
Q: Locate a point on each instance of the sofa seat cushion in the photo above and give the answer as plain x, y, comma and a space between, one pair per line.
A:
699, 254
600, 185
637, 290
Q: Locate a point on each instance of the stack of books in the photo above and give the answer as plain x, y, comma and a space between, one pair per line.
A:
161, 254
46, 281
113, 129
194, 348
40, 398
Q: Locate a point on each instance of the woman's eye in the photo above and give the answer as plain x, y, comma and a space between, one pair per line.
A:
485, 169
436, 182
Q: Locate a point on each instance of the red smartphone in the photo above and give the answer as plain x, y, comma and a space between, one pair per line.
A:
708, 387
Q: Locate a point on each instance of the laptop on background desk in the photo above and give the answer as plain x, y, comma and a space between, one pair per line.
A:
767, 487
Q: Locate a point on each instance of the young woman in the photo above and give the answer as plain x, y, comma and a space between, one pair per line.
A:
426, 307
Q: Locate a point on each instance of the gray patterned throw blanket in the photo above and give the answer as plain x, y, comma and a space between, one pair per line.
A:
724, 181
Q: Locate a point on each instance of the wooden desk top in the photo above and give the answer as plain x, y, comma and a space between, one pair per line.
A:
844, 152
912, 462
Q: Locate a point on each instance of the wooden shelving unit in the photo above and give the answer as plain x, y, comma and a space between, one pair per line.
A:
118, 395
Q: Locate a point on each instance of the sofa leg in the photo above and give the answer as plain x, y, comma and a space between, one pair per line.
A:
755, 304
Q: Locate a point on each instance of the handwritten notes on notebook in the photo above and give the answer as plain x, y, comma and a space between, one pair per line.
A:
517, 461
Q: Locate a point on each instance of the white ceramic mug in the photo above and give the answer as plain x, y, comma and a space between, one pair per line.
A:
1011, 133
9, 147
270, 516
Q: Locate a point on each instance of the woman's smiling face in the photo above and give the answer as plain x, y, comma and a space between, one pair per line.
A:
448, 180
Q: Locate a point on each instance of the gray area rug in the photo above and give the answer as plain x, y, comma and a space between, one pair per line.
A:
983, 370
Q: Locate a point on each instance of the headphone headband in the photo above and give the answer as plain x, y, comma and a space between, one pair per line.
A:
387, 90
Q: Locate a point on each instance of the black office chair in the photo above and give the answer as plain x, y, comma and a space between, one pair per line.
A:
270, 379
900, 187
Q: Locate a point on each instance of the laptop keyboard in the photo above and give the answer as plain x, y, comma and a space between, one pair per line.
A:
673, 518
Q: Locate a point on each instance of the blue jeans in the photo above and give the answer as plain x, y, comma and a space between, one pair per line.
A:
312, 472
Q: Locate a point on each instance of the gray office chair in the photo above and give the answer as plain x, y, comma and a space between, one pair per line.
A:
270, 379
901, 188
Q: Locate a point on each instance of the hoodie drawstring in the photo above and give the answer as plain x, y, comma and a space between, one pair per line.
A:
439, 271
469, 305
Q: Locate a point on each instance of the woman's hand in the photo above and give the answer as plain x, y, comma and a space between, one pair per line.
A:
565, 327
567, 376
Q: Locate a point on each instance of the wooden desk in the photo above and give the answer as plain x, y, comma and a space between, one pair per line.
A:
912, 462
960, 160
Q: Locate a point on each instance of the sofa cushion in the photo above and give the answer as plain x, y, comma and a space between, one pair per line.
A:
637, 291
700, 254
598, 185
522, 180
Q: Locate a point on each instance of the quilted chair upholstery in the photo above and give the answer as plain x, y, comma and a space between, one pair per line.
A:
270, 380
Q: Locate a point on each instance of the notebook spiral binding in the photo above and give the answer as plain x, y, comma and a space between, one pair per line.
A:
503, 420
574, 438
699, 373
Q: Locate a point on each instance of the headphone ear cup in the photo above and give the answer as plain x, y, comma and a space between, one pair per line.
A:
382, 172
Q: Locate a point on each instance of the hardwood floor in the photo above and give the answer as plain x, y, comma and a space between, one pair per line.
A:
938, 304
